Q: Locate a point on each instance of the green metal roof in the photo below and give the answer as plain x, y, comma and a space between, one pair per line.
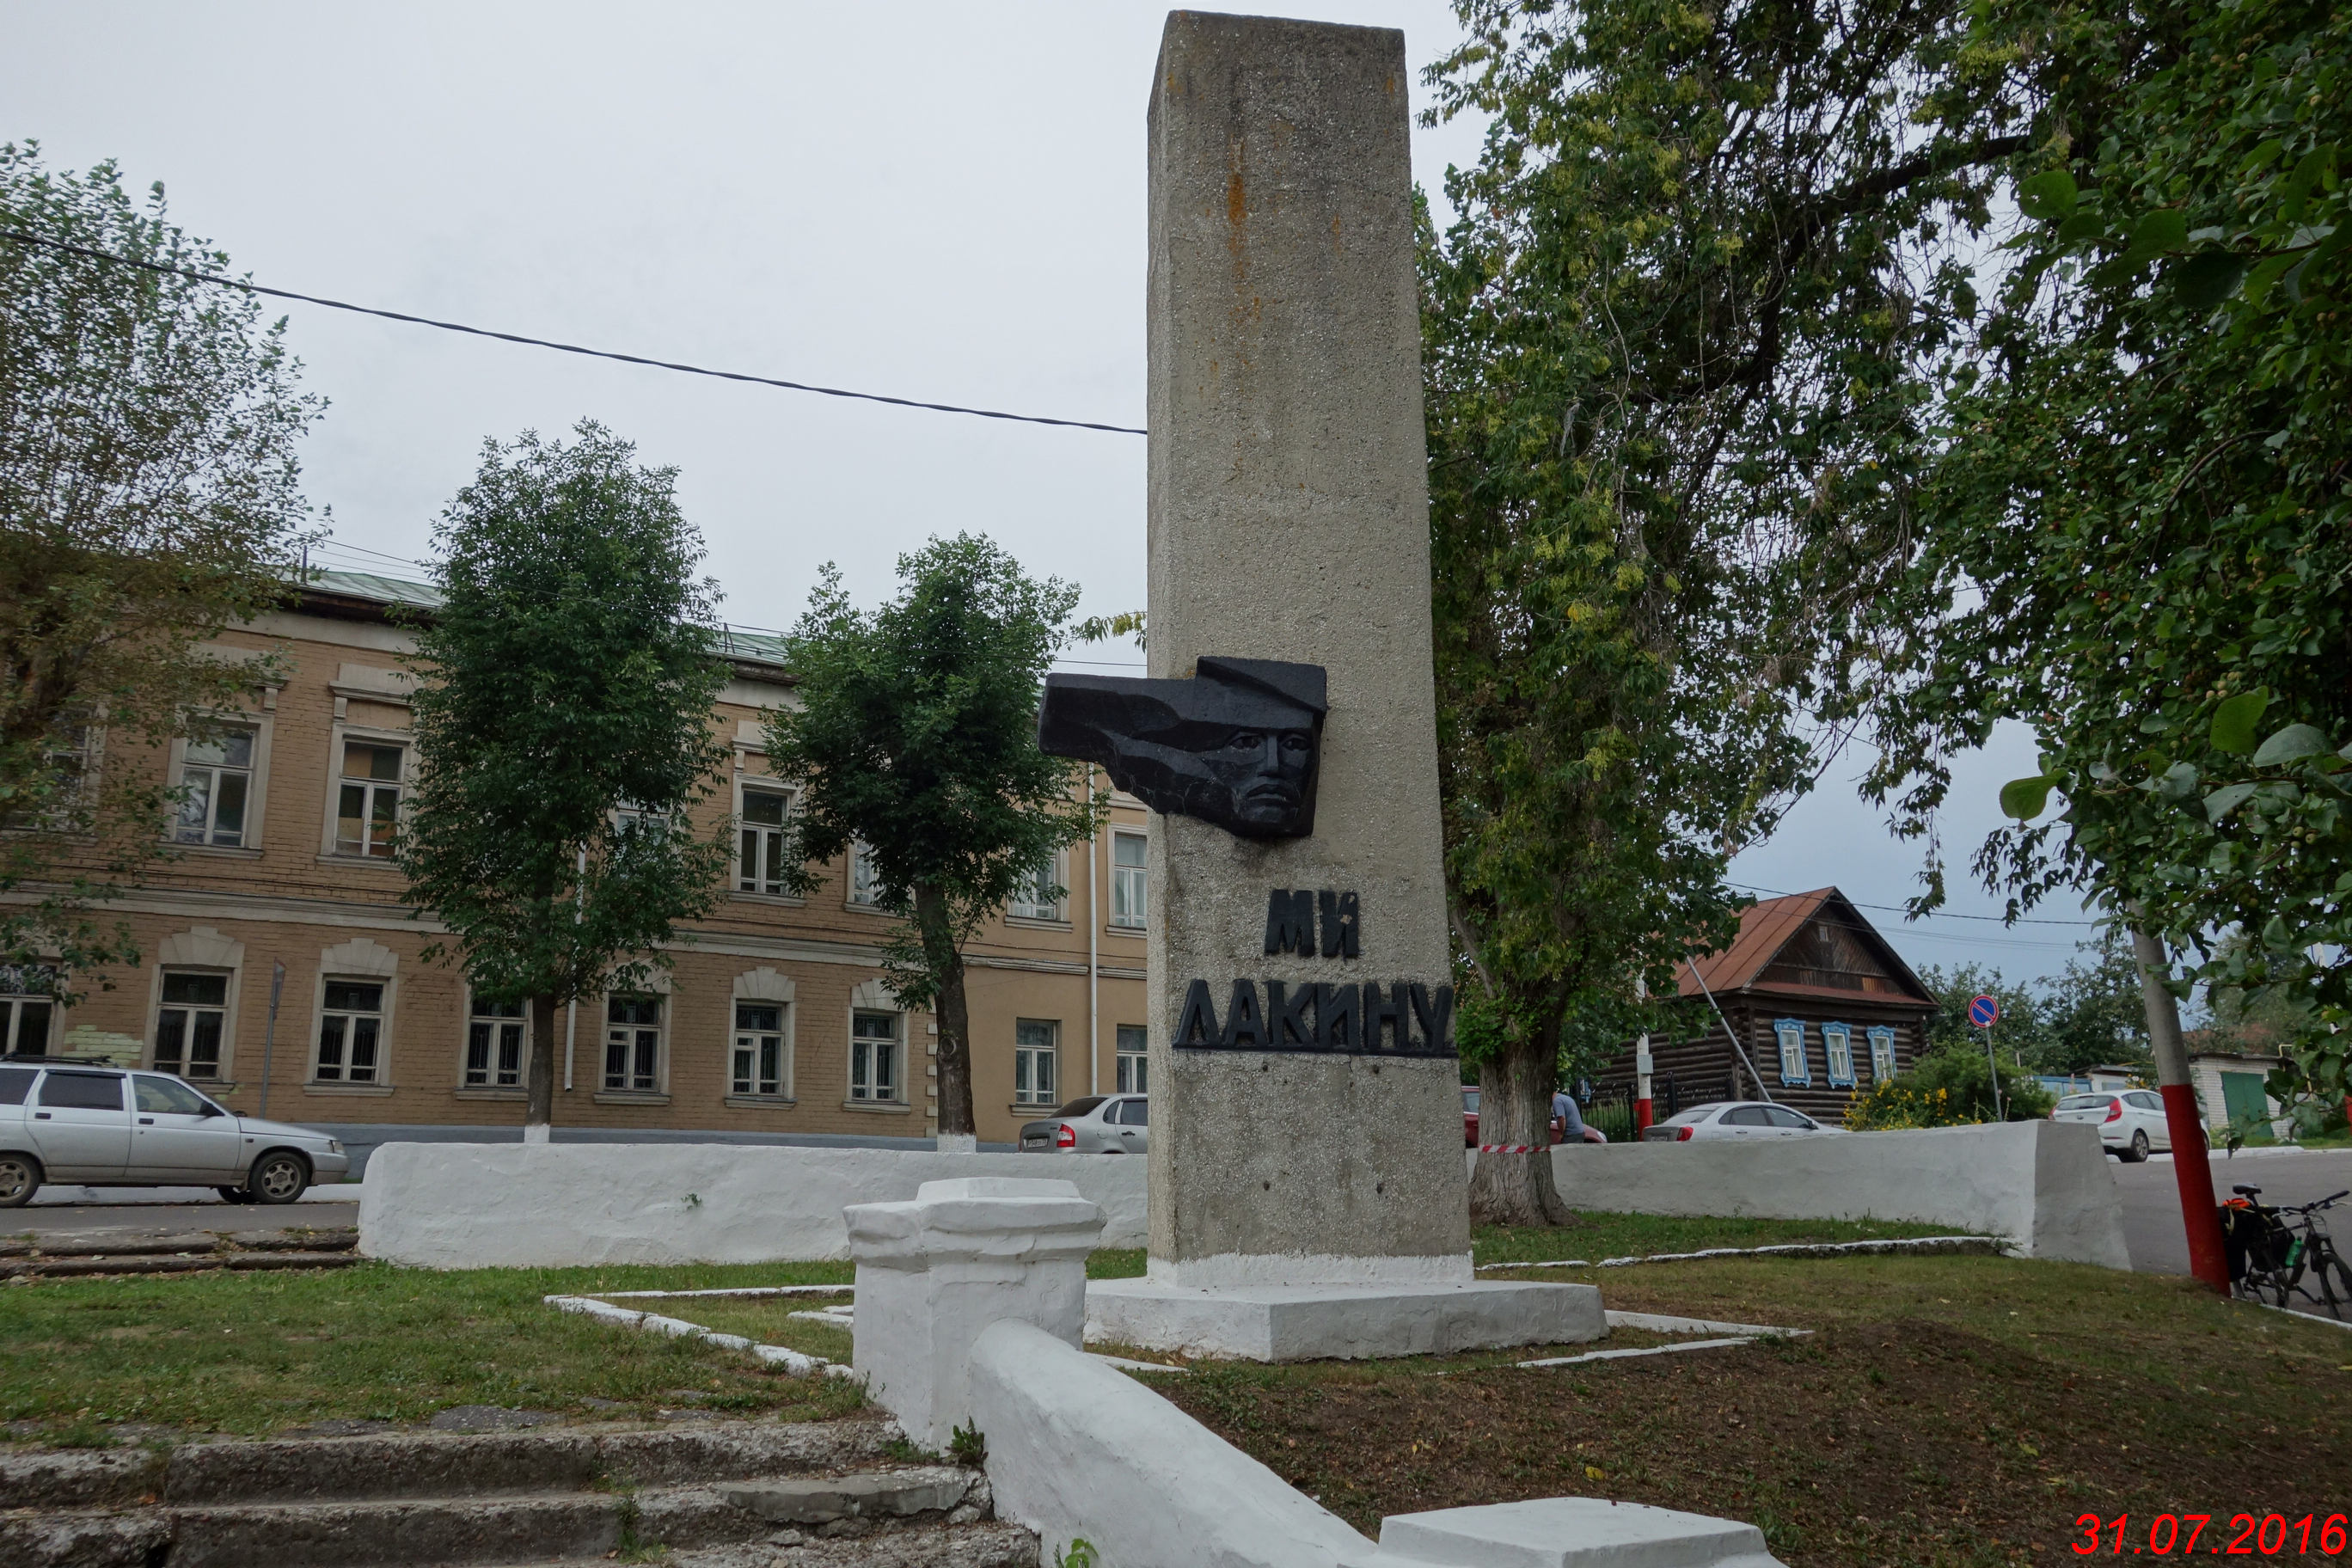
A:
734, 642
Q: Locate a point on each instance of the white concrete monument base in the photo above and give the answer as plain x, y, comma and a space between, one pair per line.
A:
1564, 1532
1340, 1321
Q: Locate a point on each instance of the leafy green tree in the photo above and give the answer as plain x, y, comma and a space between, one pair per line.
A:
2095, 1014
564, 731
2021, 1034
148, 498
916, 739
2138, 541
1675, 351
1950, 1086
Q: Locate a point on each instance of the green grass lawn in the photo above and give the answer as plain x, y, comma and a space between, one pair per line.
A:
254, 1353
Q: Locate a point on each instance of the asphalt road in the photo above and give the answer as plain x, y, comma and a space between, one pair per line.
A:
2151, 1195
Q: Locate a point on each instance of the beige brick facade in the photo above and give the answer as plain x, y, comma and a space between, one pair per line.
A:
223, 917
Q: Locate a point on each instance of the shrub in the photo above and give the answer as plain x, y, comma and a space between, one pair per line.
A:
1951, 1086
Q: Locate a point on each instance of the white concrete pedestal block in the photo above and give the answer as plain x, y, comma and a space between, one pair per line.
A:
933, 1272
1349, 1322
1564, 1532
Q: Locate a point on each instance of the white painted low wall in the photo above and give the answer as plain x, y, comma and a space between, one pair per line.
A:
1077, 1449
482, 1205
2045, 1185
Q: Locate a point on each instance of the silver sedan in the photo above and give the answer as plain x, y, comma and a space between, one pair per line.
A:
1736, 1119
86, 1125
1097, 1124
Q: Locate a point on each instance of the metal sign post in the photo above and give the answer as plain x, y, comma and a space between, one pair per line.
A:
1984, 1012
270, 1030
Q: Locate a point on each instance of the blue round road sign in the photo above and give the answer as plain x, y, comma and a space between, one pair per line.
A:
1982, 1011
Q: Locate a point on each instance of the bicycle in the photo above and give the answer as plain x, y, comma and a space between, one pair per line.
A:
2278, 1253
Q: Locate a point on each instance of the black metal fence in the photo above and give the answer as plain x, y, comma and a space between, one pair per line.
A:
1609, 1106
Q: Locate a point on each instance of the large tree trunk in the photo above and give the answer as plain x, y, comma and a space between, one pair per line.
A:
948, 1010
1515, 1089
538, 1111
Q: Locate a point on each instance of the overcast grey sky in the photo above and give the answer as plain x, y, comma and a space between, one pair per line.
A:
934, 201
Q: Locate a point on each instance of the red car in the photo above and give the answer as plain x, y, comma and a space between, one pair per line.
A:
1470, 1121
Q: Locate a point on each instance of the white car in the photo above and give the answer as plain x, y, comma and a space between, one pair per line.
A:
2130, 1120
1735, 1119
79, 1125
1096, 1124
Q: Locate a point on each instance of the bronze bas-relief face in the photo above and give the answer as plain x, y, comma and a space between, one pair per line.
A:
1237, 744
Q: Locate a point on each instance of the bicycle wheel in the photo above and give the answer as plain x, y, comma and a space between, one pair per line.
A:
2333, 1278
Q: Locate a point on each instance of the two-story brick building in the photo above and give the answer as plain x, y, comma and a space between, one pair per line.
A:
280, 960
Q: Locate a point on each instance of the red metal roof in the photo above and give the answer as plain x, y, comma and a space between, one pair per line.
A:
1767, 927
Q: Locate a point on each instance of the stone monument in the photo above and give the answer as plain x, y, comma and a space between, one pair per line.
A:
1307, 1190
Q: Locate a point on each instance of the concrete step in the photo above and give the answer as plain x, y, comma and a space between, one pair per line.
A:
387, 1466
986, 1544
489, 1528
53, 1268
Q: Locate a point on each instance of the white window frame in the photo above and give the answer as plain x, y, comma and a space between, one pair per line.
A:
1134, 1066
343, 734
257, 785
1837, 1046
1788, 1035
489, 1084
762, 988
1037, 1067
15, 1001
1054, 870
862, 1079
863, 887
1131, 886
202, 949
1882, 1052
629, 1088
358, 962
772, 837
345, 1069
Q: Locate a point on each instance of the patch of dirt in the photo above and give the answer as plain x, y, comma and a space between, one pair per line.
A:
1905, 1442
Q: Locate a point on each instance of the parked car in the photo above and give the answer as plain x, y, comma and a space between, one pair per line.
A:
2130, 1120
1735, 1119
1470, 1123
1096, 1124
101, 1127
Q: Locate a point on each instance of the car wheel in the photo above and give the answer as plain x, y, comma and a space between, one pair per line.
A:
278, 1178
2139, 1148
20, 1178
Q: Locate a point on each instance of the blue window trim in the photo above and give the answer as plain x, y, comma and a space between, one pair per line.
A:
1829, 1057
1877, 1033
1804, 1075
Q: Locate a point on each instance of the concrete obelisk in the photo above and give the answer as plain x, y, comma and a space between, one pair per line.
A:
1289, 520
1308, 1192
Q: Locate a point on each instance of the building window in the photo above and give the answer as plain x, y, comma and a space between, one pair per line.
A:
1882, 1052
1791, 1034
633, 1034
369, 806
1837, 1045
351, 1032
1038, 895
26, 1009
874, 1056
189, 1024
215, 783
1036, 1048
864, 882
759, 858
494, 1037
760, 1064
1127, 879
1134, 1065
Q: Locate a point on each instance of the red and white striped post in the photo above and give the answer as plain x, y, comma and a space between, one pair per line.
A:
2190, 1169
1643, 1114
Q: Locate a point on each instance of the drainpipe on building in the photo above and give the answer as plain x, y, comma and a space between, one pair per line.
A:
570, 1030
1094, 939
2190, 1169
270, 1029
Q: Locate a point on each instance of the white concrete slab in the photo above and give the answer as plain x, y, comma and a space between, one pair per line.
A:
1565, 1532
1344, 1322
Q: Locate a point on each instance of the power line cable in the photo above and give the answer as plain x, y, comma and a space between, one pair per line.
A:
59, 245
1931, 914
